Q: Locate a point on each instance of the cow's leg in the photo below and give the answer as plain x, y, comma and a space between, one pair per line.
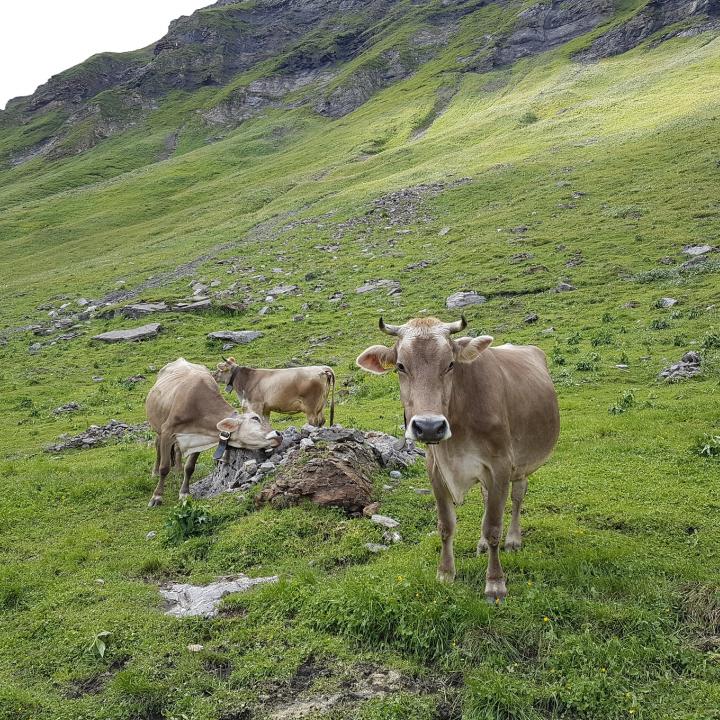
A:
177, 458
498, 487
156, 466
166, 443
188, 473
446, 524
513, 539
482, 545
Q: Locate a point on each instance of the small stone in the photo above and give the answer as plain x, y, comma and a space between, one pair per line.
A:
250, 467
99, 581
531, 318
548, 331
444, 231
395, 474
306, 443
392, 536
667, 302
35, 347
152, 534
464, 298
371, 509
385, 521
264, 310
423, 491
620, 366
98, 378
195, 648
387, 487
564, 287
376, 547
266, 467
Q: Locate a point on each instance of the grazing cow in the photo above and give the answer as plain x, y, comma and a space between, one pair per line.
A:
488, 415
288, 390
189, 415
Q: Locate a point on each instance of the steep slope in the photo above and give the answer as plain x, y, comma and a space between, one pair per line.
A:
520, 146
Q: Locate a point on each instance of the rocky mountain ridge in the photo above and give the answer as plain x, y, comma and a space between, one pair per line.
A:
330, 57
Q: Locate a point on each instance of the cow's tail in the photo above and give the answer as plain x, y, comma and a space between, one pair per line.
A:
331, 381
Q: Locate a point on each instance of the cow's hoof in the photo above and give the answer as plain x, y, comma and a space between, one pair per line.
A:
495, 591
512, 543
445, 577
155, 500
482, 546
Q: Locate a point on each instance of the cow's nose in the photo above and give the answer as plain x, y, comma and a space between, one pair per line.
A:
430, 429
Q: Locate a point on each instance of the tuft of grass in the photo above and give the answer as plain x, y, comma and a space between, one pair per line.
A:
707, 446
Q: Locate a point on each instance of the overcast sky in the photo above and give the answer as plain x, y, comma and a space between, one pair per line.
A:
40, 38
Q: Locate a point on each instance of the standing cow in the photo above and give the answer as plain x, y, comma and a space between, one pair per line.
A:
189, 415
287, 390
488, 415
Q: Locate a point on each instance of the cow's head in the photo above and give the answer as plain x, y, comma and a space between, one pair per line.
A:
224, 373
249, 430
424, 356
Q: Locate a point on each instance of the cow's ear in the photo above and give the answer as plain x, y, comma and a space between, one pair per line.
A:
232, 360
377, 359
228, 424
469, 348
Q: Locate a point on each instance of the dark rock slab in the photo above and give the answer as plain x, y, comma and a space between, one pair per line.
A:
464, 298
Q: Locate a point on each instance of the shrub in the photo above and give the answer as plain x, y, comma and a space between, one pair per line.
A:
624, 403
659, 324
528, 118
711, 341
185, 521
707, 446
588, 363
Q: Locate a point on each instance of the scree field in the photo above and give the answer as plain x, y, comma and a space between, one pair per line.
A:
507, 181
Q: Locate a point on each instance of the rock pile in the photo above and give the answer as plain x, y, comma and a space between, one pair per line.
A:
97, 435
689, 366
330, 466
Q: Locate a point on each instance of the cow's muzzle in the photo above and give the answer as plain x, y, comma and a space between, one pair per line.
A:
428, 428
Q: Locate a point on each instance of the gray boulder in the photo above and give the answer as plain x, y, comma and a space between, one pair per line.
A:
144, 332
236, 337
202, 600
464, 298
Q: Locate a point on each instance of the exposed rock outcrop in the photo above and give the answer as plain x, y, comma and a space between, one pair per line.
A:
656, 15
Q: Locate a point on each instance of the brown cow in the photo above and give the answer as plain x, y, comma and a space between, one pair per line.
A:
189, 415
288, 390
488, 415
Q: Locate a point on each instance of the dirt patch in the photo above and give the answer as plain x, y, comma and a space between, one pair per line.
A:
359, 683
700, 610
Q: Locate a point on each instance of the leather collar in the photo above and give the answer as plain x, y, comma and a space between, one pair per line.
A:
231, 382
222, 445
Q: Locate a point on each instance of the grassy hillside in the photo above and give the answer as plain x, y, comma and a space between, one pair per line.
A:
543, 171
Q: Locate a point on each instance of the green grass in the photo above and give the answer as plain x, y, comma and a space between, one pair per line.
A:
613, 600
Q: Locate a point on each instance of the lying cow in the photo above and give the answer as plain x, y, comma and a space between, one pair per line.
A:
189, 415
288, 390
488, 415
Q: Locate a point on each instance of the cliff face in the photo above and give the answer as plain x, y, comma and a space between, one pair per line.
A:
330, 56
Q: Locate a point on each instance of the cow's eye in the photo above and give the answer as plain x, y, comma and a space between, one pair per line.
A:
450, 367
400, 367
256, 419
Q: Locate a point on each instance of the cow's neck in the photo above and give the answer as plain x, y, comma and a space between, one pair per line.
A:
239, 378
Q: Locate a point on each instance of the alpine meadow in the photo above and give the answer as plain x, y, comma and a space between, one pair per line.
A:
298, 169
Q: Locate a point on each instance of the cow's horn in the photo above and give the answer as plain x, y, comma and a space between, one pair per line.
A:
389, 329
456, 326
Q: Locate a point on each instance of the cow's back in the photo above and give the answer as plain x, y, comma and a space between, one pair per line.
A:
175, 381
